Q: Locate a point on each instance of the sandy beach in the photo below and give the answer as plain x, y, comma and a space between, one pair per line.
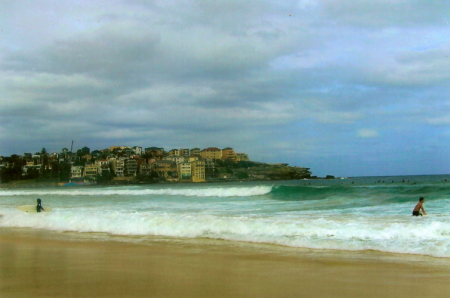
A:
41, 264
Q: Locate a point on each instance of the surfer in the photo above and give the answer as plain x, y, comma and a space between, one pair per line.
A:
39, 206
419, 206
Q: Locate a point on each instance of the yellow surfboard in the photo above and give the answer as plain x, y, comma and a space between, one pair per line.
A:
32, 208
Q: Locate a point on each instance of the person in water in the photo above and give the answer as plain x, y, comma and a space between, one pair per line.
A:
419, 206
39, 206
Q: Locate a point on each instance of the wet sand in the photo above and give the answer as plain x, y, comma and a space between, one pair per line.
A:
39, 264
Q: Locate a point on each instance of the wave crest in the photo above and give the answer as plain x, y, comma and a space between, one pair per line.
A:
188, 192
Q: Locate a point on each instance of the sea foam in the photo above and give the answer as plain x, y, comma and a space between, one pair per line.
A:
139, 191
409, 235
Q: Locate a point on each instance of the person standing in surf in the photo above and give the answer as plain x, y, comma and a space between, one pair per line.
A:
39, 206
419, 206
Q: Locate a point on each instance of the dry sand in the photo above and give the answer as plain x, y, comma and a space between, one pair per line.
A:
40, 264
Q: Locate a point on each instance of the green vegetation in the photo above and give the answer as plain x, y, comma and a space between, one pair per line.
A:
250, 170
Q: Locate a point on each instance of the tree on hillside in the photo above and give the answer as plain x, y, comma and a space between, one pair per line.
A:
64, 171
11, 173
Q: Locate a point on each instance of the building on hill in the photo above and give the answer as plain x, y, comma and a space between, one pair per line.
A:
91, 170
165, 169
229, 154
174, 152
184, 152
211, 153
118, 166
175, 158
102, 162
74, 158
76, 172
194, 152
155, 152
137, 150
131, 167
193, 158
145, 169
105, 170
242, 157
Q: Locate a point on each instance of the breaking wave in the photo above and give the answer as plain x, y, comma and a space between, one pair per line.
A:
139, 191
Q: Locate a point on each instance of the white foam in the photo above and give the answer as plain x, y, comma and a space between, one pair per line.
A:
426, 236
357, 221
138, 191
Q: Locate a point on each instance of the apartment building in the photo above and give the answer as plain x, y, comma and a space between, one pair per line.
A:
194, 151
102, 162
137, 150
184, 171
198, 171
131, 167
193, 158
105, 165
118, 166
184, 152
242, 157
166, 169
105, 170
91, 170
76, 172
228, 154
211, 153
174, 152
145, 169
155, 151
175, 158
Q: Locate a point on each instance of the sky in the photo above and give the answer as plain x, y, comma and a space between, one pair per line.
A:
346, 88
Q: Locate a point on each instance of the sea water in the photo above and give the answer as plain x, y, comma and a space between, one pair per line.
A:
365, 213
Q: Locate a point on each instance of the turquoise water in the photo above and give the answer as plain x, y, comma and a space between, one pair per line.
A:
367, 213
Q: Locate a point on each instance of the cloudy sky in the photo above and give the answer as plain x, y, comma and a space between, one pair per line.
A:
347, 88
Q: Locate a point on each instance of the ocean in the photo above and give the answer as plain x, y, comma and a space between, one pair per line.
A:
352, 214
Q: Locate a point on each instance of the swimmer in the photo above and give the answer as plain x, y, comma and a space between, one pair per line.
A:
39, 206
419, 206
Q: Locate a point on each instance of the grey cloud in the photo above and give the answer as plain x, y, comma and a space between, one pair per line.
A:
103, 54
302, 77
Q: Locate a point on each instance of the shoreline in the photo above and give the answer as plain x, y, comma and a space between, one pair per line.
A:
54, 264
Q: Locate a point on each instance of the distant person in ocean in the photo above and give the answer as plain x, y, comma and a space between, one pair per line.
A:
39, 206
419, 206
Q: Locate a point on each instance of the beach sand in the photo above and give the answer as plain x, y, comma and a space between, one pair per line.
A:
41, 264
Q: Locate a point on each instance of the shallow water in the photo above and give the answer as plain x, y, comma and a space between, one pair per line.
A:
367, 213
